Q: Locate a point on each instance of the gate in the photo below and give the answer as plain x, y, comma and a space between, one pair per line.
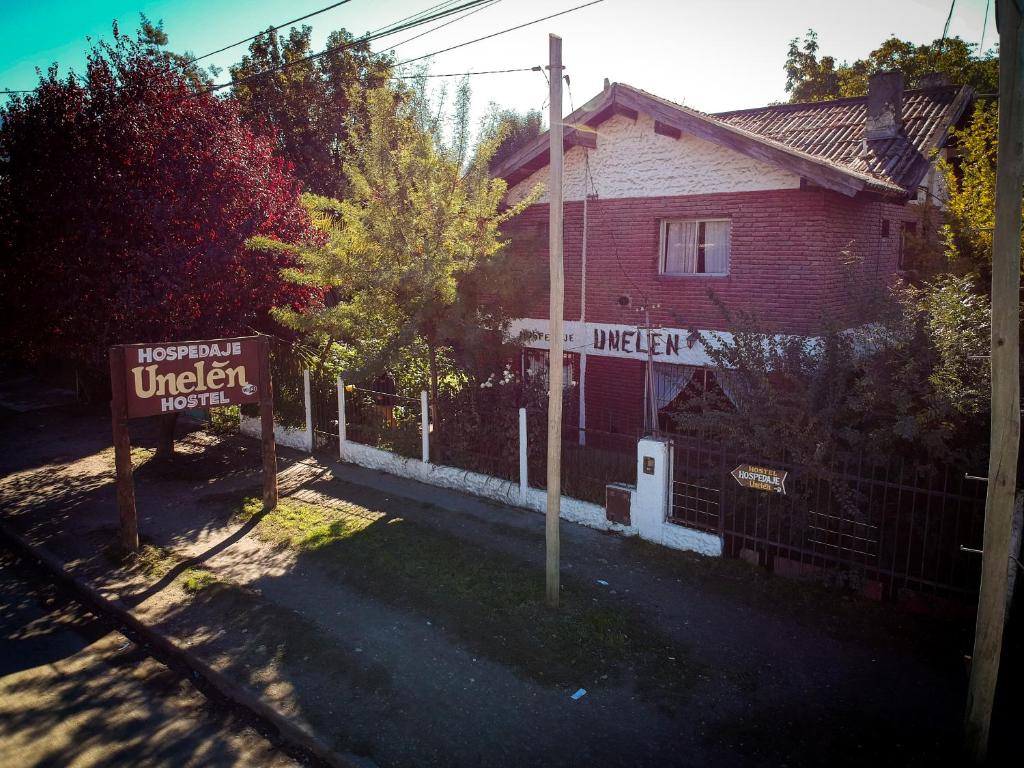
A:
323, 398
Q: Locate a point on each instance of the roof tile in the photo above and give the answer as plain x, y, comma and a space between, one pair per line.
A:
834, 131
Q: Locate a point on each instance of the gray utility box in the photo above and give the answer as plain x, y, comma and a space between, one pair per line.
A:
616, 503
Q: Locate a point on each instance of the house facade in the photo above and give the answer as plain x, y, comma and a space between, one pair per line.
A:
674, 219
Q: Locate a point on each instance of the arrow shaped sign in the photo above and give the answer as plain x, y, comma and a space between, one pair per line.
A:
760, 478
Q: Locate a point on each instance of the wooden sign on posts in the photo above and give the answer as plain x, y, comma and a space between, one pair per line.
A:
153, 379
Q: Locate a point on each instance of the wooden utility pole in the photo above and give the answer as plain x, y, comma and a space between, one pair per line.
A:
123, 452
1005, 361
267, 428
555, 313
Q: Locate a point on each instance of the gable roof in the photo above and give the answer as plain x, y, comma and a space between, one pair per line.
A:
834, 131
822, 142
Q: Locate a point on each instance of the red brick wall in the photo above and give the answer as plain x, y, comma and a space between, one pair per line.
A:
786, 262
864, 261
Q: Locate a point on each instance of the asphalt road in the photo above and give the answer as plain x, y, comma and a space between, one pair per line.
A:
74, 692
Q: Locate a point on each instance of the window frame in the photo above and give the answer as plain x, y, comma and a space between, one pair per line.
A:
663, 225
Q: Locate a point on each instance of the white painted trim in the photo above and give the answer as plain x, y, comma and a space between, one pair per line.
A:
289, 437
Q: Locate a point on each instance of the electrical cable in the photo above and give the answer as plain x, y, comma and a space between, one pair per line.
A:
464, 74
402, 24
370, 37
439, 26
945, 29
589, 175
984, 28
502, 32
271, 29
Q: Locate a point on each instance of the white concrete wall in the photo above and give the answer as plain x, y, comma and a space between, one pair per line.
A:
651, 526
289, 437
631, 160
504, 491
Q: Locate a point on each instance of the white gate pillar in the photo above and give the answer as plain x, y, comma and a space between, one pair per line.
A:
653, 486
307, 392
425, 425
342, 434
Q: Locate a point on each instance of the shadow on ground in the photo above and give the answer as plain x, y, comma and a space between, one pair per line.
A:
411, 634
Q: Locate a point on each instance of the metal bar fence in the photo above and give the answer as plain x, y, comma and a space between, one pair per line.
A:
588, 465
850, 520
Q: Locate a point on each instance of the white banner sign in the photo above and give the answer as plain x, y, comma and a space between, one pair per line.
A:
667, 345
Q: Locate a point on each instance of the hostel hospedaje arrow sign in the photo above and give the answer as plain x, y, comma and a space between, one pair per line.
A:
760, 478
168, 377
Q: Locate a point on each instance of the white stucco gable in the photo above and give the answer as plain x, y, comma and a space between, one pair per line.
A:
631, 160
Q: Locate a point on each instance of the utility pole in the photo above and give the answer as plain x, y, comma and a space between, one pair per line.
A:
1005, 361
652, 403
555, 314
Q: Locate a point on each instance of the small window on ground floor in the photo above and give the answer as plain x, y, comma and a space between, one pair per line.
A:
681, 389
535, 367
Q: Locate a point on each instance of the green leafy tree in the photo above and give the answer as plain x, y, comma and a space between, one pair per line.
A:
420, 223
154, 42
517, 129
311, 104
900, 386
971, 185
813, 78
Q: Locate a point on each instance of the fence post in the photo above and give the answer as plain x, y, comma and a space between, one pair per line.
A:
523, 463
425, 422
308, 402
341, 418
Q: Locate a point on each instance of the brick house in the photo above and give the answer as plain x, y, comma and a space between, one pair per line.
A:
767, 207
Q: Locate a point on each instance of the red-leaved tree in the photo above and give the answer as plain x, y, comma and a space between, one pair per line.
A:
126, 199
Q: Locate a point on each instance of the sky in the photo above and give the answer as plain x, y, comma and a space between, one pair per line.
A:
712, 55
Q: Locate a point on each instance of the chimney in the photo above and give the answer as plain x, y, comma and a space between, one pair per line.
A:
885, 106
934, 80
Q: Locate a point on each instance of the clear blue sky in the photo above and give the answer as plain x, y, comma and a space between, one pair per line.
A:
712, 55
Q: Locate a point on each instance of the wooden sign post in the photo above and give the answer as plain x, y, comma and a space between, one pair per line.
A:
267, 428
152, 379
122, 453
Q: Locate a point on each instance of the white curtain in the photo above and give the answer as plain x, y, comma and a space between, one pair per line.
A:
681, 247
669, 381
733, 385
716, 247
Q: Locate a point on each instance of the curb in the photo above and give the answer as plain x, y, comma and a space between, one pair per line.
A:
293, 734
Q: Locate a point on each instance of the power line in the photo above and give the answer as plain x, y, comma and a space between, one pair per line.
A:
465, 74
502, 32
425, 16
984, 28
945, 29
439, 26
367, 38
588, 175
272, 29
418, 19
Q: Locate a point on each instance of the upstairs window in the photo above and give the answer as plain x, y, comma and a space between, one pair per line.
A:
695, 247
